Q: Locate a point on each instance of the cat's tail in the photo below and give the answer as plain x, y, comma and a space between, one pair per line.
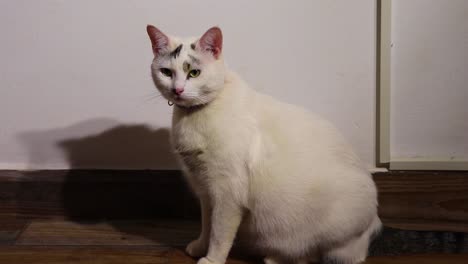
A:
375, 227
356, 249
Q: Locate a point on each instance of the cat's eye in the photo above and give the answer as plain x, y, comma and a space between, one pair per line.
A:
165, 71
194, 73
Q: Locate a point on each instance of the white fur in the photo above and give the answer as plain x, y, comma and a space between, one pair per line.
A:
281, 176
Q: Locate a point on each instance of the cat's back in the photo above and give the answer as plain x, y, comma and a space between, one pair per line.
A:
298, 131
244, 120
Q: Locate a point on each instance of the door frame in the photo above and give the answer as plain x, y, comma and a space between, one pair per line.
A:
383, 84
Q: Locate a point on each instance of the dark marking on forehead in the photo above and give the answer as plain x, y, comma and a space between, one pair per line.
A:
192, 46
194, 59
176, 52
186, 67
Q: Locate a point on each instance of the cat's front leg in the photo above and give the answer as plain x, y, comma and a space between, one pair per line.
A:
199, 247
225, 220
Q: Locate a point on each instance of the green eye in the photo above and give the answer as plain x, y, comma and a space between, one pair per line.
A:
194, 73
166, 72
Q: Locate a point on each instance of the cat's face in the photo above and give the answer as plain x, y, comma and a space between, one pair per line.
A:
187, 72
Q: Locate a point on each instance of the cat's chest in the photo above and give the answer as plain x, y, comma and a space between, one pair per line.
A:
188, 136
192, 143
205, 140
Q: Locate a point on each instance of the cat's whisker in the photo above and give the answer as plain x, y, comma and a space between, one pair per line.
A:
152, 93
152, 97
190, 94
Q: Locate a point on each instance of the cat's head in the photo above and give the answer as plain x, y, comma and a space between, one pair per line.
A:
188, 72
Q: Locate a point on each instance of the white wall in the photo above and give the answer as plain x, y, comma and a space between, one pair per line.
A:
75, 82
429, 93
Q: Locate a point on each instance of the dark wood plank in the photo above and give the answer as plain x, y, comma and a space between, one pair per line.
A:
123, 233
10, 229
436, 200
164, 233
157, 255
178, 256
8, 194
423, 259
100, 255
81, 255
425, 225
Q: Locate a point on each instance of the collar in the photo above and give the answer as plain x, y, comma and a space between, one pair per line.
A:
186, 108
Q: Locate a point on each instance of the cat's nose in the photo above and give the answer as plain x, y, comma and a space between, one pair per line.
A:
178, 91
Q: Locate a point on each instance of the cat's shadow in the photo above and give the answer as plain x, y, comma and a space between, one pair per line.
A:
128, 199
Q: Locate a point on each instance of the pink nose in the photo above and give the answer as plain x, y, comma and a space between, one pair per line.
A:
178, 91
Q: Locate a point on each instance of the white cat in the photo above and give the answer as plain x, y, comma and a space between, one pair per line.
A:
271, 173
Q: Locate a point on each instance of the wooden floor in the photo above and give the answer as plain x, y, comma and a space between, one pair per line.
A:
126, 242
41, 215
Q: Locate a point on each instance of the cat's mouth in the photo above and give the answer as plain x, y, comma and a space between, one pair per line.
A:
178, 98
181, 100
185, 102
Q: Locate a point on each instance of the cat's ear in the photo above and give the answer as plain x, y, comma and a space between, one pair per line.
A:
159, 40
212, 41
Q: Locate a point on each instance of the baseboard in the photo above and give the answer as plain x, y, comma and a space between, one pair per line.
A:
416, 200
429, 164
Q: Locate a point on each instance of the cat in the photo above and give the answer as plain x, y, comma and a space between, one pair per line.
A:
267, 172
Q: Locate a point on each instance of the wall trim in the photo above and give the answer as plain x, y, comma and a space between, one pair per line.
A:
384, 9
428, 164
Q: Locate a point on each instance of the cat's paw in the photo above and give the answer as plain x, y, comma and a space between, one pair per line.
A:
270, 260
197, 248
207, 261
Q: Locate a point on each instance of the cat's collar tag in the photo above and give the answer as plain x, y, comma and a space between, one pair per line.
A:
170, 103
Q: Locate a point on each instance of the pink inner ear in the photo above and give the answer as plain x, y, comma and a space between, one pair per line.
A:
158, 39
212, 41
